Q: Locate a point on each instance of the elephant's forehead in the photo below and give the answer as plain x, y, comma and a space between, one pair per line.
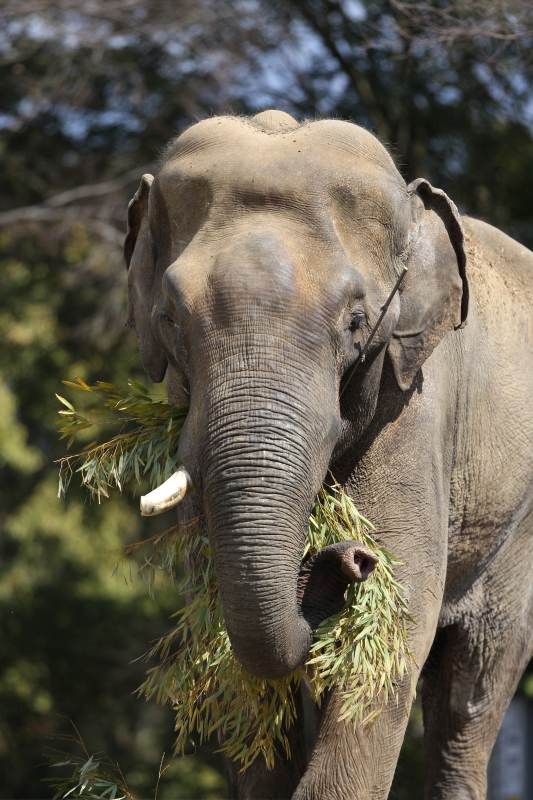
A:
234, 155
251, 208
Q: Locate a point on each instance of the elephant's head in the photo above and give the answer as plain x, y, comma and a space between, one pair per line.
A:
259, 257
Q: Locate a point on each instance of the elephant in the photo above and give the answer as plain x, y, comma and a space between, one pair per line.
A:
260, 256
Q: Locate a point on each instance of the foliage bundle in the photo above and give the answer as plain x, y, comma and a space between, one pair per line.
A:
362, 651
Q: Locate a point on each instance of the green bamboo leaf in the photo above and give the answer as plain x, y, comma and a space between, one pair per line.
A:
65, 403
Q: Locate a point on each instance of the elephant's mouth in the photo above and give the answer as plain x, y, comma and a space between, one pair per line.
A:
323, 578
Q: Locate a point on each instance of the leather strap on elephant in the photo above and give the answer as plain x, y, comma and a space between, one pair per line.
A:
362, 355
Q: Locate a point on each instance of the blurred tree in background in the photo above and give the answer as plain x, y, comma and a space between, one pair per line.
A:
91, 93
69, 631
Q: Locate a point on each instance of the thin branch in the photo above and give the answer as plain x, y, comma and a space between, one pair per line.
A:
43, 214
505, 22
96, 189
58, 209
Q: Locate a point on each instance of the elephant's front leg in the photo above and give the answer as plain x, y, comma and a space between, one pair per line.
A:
358, 764
259, 783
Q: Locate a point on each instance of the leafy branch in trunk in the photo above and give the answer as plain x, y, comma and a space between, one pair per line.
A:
362, 651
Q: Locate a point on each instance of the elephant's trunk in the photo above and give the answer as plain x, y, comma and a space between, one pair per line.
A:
256, 511
265, 453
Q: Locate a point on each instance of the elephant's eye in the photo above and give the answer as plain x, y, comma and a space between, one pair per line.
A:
356, 321
168, 320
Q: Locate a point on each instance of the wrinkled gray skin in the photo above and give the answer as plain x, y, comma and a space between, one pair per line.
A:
260, 257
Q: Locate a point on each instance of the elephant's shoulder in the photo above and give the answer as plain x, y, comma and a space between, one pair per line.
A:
490, 250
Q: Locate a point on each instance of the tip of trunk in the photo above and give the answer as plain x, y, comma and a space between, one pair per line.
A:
273, 659
324, 578
320, 593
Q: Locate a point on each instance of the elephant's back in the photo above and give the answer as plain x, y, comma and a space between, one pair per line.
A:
500, 322
498, 264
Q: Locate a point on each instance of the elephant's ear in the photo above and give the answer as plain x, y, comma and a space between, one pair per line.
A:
139, 255
434, 298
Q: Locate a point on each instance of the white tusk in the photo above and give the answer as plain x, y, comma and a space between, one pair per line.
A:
168, 495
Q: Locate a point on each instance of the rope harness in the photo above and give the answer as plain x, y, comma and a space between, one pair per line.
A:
362, 355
